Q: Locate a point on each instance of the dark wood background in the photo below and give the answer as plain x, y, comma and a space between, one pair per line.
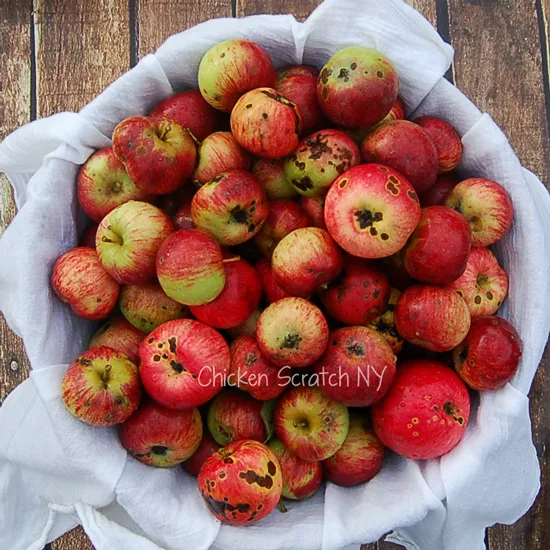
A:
56, 55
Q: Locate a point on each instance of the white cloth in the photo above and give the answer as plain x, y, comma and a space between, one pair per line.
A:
56, 472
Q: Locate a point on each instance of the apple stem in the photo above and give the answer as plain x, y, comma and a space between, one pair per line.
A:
106, 373
229, 260
282, 506
164, 131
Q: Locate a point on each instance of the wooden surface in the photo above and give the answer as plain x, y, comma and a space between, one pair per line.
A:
58, 54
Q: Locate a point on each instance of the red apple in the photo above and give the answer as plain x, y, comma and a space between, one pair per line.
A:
120, 335
182, 218
315, 209
394, 268
248, 328
270, 286
439, 191
79, 280
101, 387
87, 238
207, 447
161, 437
425, 412
184, 363
385, 324
272, 177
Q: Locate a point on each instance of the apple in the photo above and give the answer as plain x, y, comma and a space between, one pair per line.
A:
87, 238
292, 332
438, 249
101, 387
248, 328
489, 356
432, 317
171, 202
79, 280
270, 286
394, 268
487, 207
315, 209
128, 239
385, 324
207, 447
439, 191
272, 177
311, 425
425, 412
161, 437
184, 363
158, 154
120, 335
182, 218
371, 210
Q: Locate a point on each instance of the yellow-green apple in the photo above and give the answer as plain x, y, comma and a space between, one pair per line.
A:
306, 260
292, 332
241, 483
128, 239
489, 356
101, 387
272, 177
266, 123
248, 328
432, 317
270, 286
487, 207
184, 363
207, 447
361, 456
371, 210
231, 68
87, 238
232, 207
79, 280
190, 267
158, 153
315, 209
120, 335
311, 425
385, 324
439, 191
103, 184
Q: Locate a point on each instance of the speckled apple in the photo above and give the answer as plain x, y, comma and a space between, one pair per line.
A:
272, 177
120, 335
385, 323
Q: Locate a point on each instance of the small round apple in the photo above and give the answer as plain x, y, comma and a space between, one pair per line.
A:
241, 483
487, 207
385, 324
161, 437
310, 424
103, 184
272, 177
483, 285
248, 328
190, 267
270, 286
315, 209
101, 387
207, 447
79, 280
120, 335
425, 413
437, 194
371, 210
300, 478
128, 239
432, 317
359, 459
184, 363
489, 356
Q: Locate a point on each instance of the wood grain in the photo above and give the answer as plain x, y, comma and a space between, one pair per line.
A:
73, 540
428, 8
299, 8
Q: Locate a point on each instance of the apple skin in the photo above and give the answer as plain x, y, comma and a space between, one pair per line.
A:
147, 306
184, 363
120, 335
103, 184
371, 210
218, 153
160, 437
394, 268
438, 249
439, 191
266, 123
366, 92
483, 285
385, 324
446, 139
489, 356
425, 413
272, 177
231, 68
359, 295
207, 447
234, 415
487, 207
79, 280
183, 219
305, 261
190, 110
301, 479
252, 372
363, 359
270, 286
432, 317
190, 267
284, 217
87, 238
311, 425
238, 299
359, 459
232, 207
292, 332
241, 483
405, 147
128, 239
101, 387
158, 154
248, 328
315, 209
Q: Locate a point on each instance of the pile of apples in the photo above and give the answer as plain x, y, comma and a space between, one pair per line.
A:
262, 271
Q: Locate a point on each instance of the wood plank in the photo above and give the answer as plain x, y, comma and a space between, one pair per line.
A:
299, 8
428, 8
73, 540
